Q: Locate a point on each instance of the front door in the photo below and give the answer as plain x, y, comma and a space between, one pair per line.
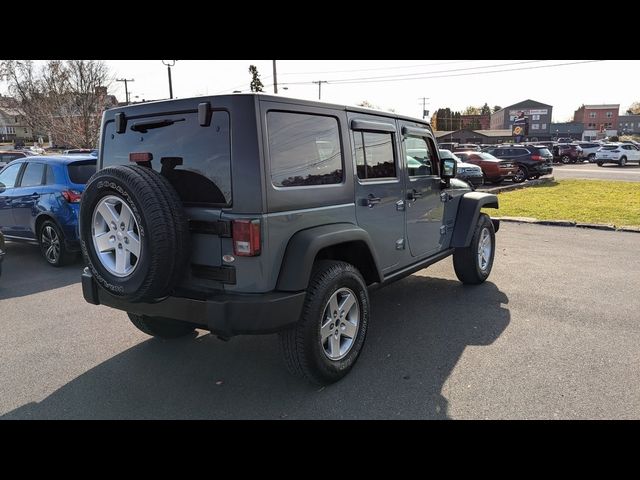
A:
379, 190
425, 210
25, 197
8, 179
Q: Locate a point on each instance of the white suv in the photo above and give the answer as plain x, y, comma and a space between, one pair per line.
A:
619, 153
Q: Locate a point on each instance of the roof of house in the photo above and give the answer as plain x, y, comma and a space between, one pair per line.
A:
603, 106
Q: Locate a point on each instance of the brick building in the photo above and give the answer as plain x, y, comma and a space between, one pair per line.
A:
599, 120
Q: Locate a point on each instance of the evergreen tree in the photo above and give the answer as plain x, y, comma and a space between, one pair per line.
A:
255, 85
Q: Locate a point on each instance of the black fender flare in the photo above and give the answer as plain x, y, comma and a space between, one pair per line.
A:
304, 245
467, 216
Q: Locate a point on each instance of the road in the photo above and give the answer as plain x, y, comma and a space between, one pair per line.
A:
629, 173
554, 333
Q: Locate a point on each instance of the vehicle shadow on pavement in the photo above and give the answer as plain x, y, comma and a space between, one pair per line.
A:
21, 258
418, 331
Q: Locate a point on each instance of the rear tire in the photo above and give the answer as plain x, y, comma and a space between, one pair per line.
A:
52, 245
565, 159
317, 348
521, 175
591, 156
166, 328
623, 161
473, 264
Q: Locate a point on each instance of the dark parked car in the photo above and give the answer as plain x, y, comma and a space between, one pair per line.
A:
1, 251
533, 161
466, 171
7, 156
276, 216
494, 170
40, 201
567, 153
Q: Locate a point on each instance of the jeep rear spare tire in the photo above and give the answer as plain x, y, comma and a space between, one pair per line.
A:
133, 232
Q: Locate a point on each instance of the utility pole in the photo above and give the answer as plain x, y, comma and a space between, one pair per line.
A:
169, 64
275, 78
126, 89
425, 113
320, 82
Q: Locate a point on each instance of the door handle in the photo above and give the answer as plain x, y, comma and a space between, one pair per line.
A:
412, 195
370, 201
34, 195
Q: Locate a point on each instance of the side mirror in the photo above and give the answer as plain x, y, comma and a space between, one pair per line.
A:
449, 168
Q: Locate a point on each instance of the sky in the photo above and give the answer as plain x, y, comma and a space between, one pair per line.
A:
396, 84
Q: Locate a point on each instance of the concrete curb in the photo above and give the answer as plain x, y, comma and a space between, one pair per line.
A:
568, 223
517, 186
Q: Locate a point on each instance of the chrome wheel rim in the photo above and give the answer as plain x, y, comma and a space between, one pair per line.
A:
340, 321
565, 159
519, 175
50, 244
116, 236
484, 249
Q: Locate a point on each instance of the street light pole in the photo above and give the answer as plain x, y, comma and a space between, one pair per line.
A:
169, 64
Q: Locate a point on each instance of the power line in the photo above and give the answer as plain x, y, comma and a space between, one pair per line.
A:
395, 78
378, 68
467, 74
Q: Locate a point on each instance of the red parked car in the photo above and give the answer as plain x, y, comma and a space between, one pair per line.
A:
494, 170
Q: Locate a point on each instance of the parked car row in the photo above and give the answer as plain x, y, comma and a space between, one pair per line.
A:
40, 201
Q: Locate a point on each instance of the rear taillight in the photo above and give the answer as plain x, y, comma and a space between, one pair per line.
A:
246, 238
72, 196
537, 158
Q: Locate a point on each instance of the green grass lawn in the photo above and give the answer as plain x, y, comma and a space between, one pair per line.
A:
584, 201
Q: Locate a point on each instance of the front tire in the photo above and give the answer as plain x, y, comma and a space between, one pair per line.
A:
327, 340
52, 244
623, 161
166, 328
473, 264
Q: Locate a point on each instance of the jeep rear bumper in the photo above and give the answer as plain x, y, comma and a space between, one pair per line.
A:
225, 315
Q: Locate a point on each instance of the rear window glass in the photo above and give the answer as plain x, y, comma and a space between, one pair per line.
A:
204, 177
80, 172
304, 149
544, 152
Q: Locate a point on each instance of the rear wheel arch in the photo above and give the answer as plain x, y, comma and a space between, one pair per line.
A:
342, 241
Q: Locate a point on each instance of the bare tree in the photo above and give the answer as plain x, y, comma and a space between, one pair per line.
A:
64, 99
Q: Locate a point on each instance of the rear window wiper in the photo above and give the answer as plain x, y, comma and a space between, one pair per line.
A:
144, 126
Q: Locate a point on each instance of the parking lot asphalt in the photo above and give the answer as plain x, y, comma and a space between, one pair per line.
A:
628, 173
553, 334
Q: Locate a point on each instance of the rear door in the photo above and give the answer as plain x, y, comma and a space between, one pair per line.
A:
8, 178
379, 191
425, 210
25, 198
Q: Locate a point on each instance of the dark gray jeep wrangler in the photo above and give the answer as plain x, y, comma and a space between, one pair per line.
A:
249, 214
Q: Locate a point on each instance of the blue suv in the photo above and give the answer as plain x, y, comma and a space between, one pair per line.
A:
40, 202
